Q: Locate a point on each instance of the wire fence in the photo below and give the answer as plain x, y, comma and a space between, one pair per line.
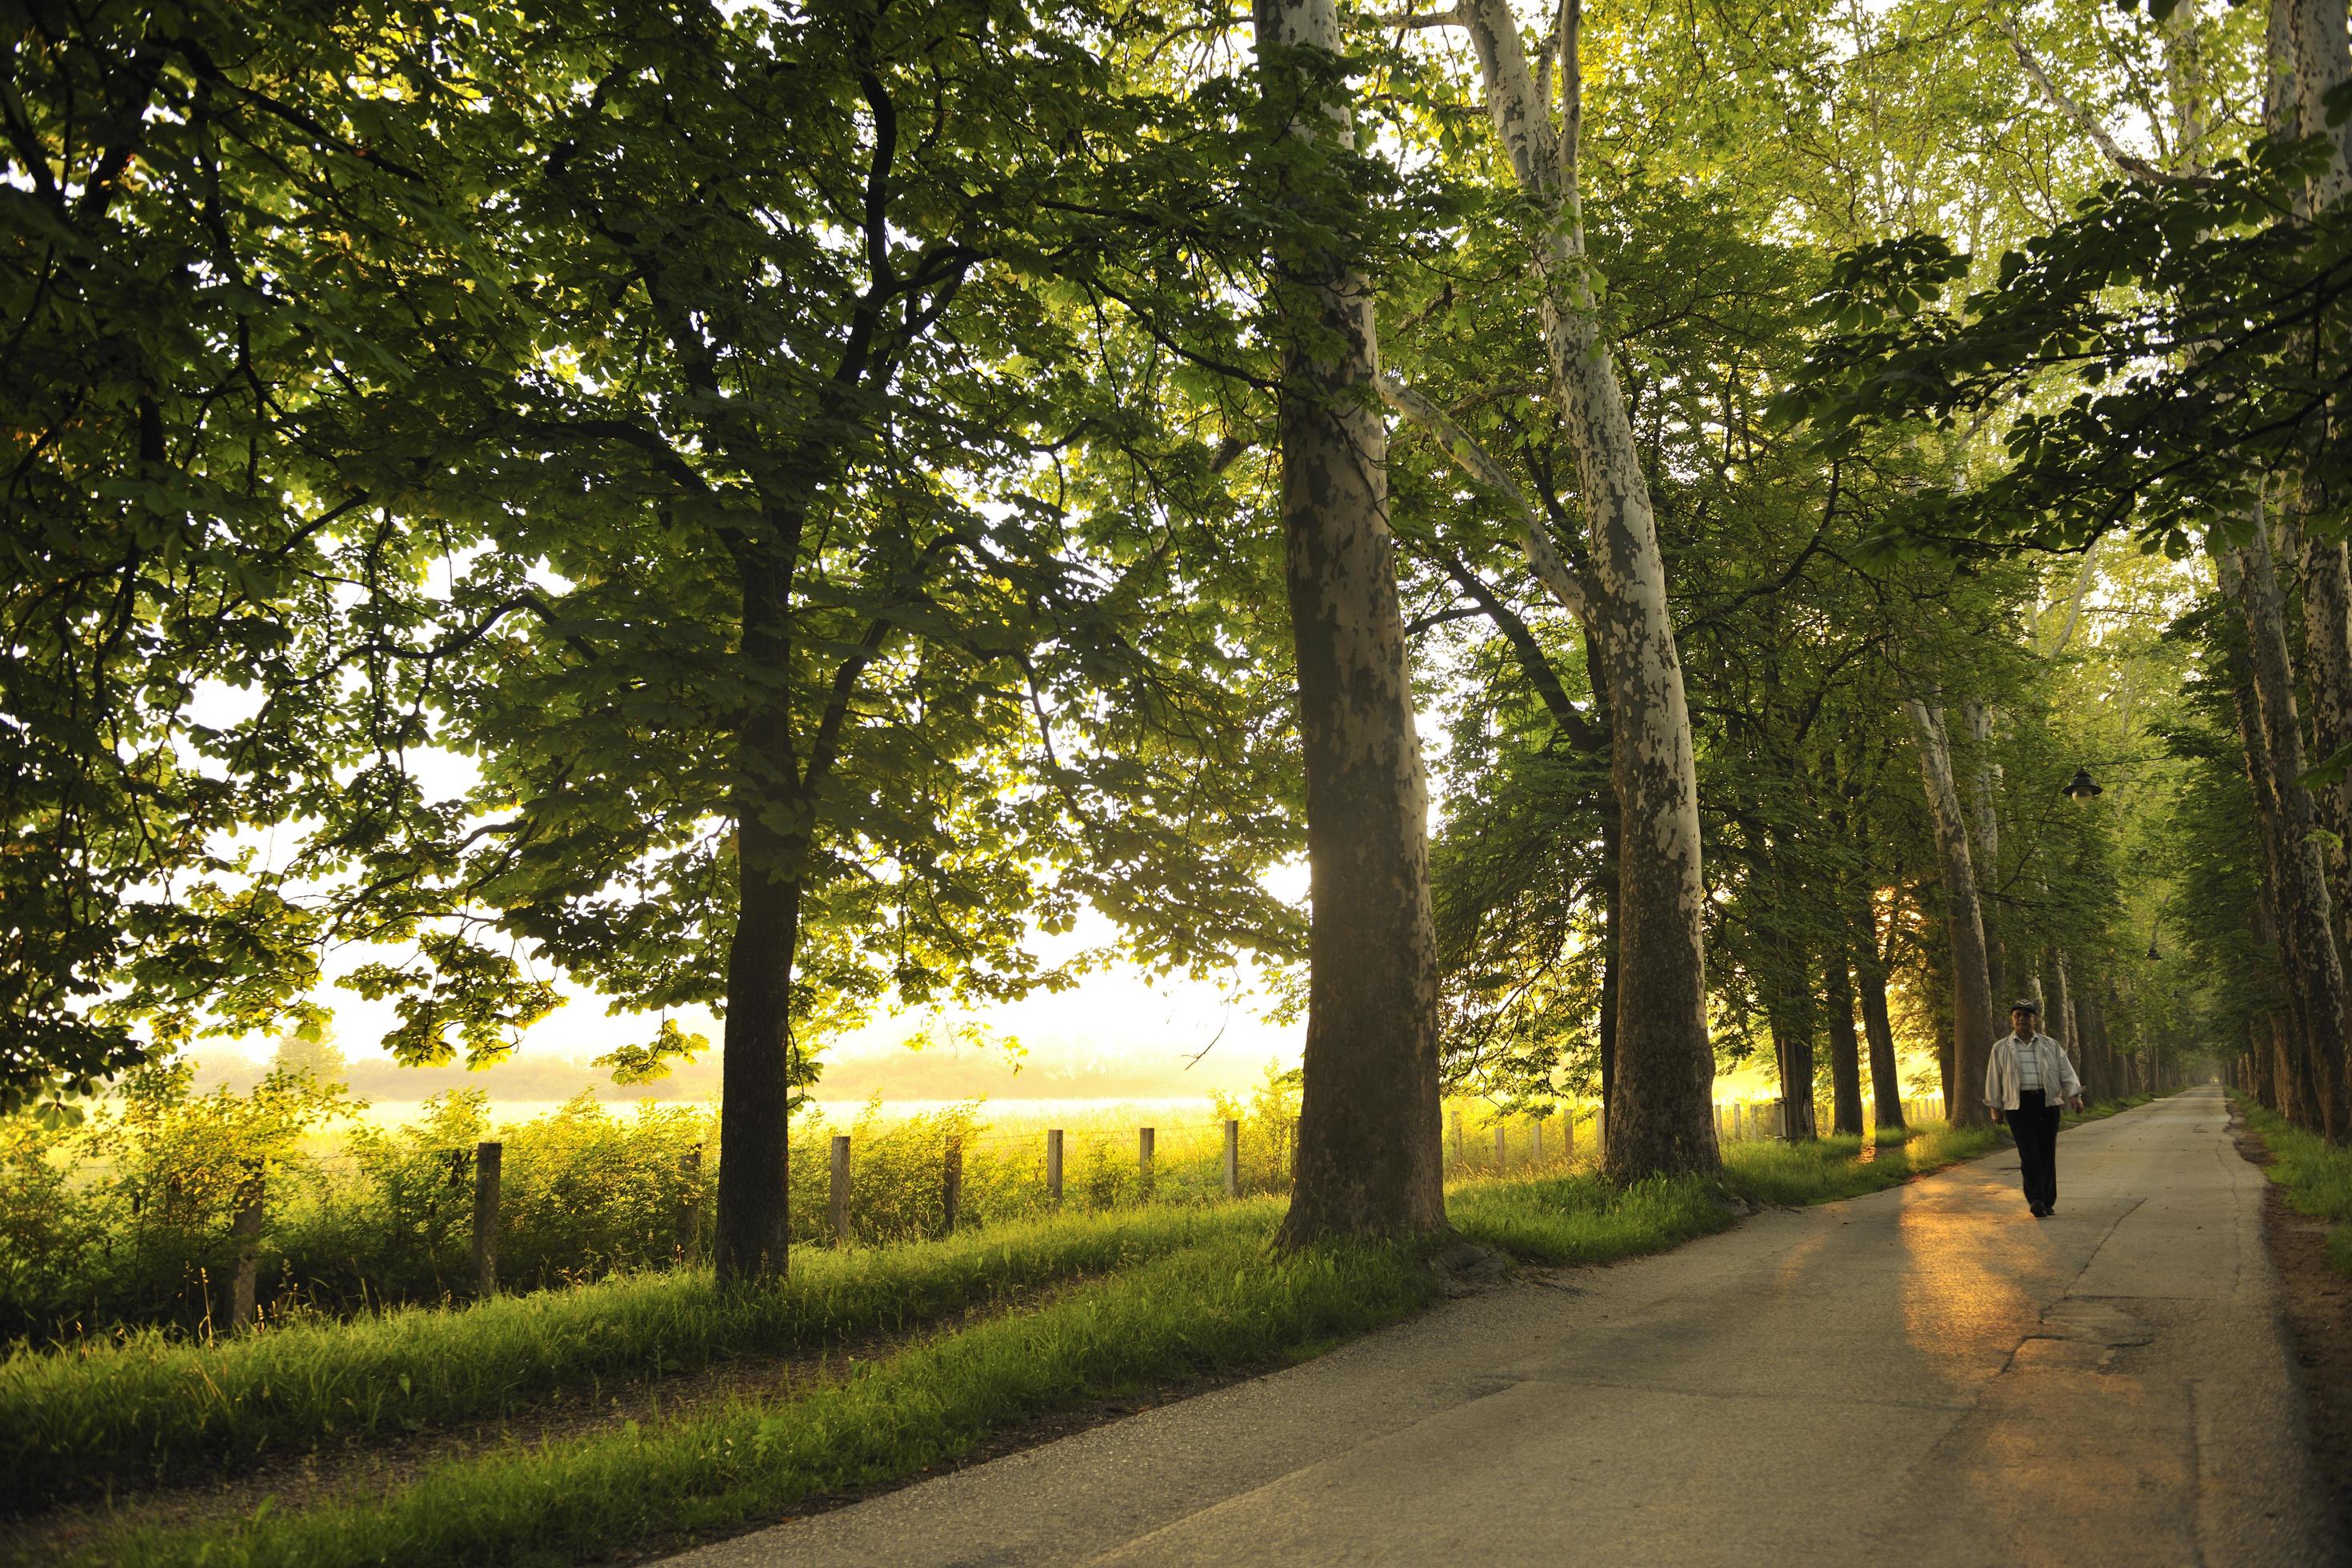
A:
416, 1215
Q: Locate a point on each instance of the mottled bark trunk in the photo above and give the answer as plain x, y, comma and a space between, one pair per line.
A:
1877, 1026
1844, 1047
2305, 910
2327, 658
2067, 1029
1368, 1135
1664, 1060
1972, 1008
1984, 812
1611, 857
2319, 55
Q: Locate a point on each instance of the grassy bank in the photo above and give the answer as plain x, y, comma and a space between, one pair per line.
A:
1579, 1218
1159, 1296
146, 1407
2317, 1174
1221, 1304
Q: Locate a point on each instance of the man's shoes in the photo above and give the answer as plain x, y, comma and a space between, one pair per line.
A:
2040, 1213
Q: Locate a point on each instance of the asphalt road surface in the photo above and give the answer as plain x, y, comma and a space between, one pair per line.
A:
1924, 1375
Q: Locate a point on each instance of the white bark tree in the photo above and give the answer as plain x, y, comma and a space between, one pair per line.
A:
1973, 1027
1661, 1061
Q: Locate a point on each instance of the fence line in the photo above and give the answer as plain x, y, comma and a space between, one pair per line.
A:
877, 1186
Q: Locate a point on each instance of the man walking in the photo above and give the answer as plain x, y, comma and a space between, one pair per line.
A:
2030, 1083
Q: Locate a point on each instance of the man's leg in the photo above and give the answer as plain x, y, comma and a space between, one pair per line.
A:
2021, 1128
2025, 1126
2047, 1132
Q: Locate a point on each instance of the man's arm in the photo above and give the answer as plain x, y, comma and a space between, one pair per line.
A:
2071, 1079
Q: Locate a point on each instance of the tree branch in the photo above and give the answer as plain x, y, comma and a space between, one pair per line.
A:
1542, 552
1413, 20
2130, 162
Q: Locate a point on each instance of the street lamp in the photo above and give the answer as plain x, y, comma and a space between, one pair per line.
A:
2081, 787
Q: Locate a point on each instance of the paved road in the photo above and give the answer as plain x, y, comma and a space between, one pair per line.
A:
1926, 1375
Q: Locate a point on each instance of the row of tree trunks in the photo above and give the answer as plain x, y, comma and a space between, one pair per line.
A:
2272, 728
1972, 1005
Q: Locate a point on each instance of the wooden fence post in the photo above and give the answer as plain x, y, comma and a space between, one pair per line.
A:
1458, 1135
1535, 1126
1144, 1138
487, 1157
1053, 1166
951, 1184
1232, 1158
1502, 1148
689, 1202
840, 1194
1567, 1132
244, 1229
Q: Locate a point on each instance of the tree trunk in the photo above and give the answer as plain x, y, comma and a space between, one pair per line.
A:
1368, 1136
1985, 850
1844, 1048
1664, 1060
1610, 855
2327, 656
1935, 991
1877, 1027
1790, 1011
2090, 1061
752, 1226
1972, 1014
2306, 912
2069, 1032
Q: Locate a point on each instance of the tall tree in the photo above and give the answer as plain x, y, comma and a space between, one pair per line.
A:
1973, 1003
1662, 1060
1369, 1152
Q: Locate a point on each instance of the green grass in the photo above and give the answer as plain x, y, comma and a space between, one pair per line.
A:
80, 1418
1579, 1218
2317, 1174
1221, 1304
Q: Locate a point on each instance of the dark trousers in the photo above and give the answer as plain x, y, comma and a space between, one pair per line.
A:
2036, 1125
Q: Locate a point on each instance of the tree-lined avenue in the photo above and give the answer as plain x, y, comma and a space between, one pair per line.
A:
1927, 1375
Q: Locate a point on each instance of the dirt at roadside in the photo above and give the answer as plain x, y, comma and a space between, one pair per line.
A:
2318, 1302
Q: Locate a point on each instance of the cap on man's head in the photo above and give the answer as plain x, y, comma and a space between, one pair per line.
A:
2026, 1004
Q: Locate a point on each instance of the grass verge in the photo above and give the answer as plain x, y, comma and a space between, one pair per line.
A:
1220, 1304
80, 1418
2317, 1174
1579, 1218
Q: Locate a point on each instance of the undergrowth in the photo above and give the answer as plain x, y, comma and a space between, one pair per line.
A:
2317, 1174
